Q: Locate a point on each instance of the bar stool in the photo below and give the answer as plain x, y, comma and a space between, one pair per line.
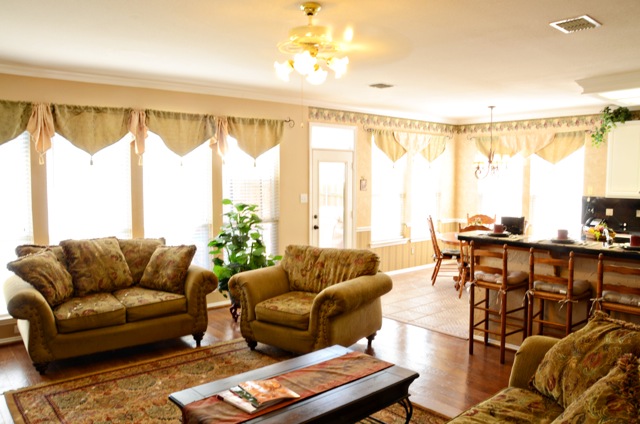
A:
553, 286
502, 281
617, 297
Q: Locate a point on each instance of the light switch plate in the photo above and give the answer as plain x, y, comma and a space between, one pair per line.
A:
609, 212
637, 213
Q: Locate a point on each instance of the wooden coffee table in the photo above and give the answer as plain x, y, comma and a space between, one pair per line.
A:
344, 404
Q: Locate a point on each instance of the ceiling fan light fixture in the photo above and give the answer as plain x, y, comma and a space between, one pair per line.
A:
284, 69
313, 49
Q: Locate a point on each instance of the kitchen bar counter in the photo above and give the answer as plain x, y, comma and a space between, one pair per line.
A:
579, 247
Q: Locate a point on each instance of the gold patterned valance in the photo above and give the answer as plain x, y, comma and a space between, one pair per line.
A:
181, 132
255, 136
15, 116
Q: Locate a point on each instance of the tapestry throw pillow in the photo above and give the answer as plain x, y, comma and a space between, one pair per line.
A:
96, 265
44, 272
580, 359
27, 249
167, 268
615, 398
137, 253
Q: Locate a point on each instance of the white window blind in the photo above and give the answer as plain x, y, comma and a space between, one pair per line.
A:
255, 182
16, 226
88, 200
177, 196
556, 195
387, 196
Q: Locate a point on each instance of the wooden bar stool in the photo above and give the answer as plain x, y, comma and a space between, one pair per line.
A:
617, 297
502, 281
556, 284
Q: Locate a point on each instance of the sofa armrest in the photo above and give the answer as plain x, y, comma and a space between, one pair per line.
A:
25, 302
528, 357
252, 287
350, 295
198, 284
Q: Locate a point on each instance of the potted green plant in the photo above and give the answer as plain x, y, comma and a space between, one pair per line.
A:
239, 245
609, 120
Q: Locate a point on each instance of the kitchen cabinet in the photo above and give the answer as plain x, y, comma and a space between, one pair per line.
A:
623, 161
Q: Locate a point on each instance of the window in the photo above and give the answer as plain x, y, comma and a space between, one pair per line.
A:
88, 196
559, 185
501, 194
425, 194
177, 196
387, 196
16, 226
255, 182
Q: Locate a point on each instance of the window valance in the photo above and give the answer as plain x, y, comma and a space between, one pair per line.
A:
552, 147
396, 143
94, 128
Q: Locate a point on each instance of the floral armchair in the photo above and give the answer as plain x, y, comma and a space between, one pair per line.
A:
314, 298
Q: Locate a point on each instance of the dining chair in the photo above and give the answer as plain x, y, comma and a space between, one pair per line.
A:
481, 219
552, 279
472, 227
438, 254
490, 273
618, 296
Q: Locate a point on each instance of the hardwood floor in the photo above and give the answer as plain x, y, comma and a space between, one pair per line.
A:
450, 380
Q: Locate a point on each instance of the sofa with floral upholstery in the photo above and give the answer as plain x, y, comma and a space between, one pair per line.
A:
590, 376
313, 298
88, 296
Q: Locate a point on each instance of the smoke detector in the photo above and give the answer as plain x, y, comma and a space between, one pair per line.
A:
575, 24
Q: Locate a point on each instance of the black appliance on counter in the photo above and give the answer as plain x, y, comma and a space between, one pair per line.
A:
617, 214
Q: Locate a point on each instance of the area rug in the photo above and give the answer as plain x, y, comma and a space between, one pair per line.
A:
139, 393
413, 300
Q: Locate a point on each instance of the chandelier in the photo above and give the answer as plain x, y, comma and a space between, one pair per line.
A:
491, 167
313, 50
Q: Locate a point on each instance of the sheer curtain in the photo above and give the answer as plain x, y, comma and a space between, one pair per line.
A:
16, 226
387, 196
177, 196
255, 182
88, 196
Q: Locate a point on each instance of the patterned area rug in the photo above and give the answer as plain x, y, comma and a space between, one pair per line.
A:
139, 393
413, 300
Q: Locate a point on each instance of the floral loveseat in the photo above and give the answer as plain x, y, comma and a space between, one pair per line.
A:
87, 296
314, 298
590, 376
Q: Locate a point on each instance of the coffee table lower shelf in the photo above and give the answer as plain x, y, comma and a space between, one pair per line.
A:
348, 403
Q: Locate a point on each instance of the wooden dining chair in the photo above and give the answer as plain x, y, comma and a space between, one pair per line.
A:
497, 318
618, 296
552, 279
438, 254
481, 219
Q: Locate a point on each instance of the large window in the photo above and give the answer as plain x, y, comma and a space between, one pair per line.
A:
501, 194
556, 195
177, 196
425, 194
15, 189
88, 196
387, 196
255, 182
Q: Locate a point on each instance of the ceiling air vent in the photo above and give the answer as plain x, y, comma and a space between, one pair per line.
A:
575, 24
381, 85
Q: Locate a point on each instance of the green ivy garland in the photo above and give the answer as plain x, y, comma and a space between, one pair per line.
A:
609, 119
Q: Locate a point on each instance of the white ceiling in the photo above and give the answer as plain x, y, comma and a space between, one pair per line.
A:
446, 59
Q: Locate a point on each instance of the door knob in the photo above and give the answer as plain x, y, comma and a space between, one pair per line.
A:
315, 227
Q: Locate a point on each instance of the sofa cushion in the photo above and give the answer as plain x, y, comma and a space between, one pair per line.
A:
512, 405
137, 253
88, 312
96, 265
27, 249
167, 268
615, 398
44, 272
580, 359
312, 269
291, 309
144, 303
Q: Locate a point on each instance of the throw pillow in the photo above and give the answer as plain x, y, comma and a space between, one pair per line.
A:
27, 249
580, 359
167, 268
96, 265
44, 272
137, 253
615, 398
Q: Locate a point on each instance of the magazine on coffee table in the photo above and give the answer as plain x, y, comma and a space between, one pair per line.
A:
255, 395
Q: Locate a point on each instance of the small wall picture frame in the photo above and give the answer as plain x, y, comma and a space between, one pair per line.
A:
363, 184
